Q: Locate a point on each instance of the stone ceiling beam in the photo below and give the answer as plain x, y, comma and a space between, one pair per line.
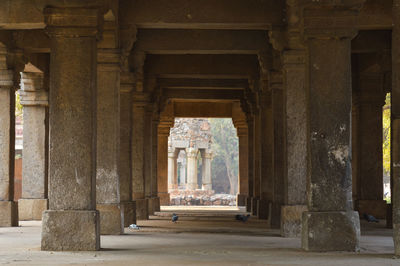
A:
203, 66
204, 83
203, 109
372, 41
198, 94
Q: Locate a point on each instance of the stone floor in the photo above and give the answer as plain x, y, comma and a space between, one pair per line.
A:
198, 238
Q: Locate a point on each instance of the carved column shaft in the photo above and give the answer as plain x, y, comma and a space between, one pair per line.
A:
191, 155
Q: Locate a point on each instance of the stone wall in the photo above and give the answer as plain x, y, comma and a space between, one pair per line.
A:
201, 198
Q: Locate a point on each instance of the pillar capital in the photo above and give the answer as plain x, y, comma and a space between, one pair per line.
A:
72, 22
208, 154
191, 152
294, 58
127, 82
32, 92
140, 98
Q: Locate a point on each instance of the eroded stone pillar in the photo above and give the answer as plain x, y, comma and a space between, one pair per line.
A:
330, 224
148, 150
191, 155
172, 165
34, 100
140, 100
296, 152
368, 145
154, 187
108, 142
72, 222
396, 125
8, 208
206, 178
125, 178
162, 164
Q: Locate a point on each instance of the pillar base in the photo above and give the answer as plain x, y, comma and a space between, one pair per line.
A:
150, 206
111, 219
263, 209
141, 209
254, 206
376, 208
129, 210
164, 199
291, 220
156, 203
32, 209
71, 230
8, 213
191, 186
241, 200
248, 203
331, 231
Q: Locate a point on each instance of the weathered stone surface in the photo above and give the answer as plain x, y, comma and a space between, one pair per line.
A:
291, 220
111, 219
376, 208
32, 209
129, 211
8, 213
70, 230
331, 231
142, 209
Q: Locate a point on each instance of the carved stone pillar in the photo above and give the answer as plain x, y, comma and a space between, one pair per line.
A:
148, 150
140, 100
206, 178
34, 100
108, 142
257, 163
8, 208
396, 125
191, 155
125, 179
330, 224
368, 169
72, 222
154, 187
162, 162
172, 165
249, 200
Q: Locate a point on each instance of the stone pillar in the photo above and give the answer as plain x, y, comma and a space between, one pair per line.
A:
257, 164
206, 178
125, 169
148, 150
8, 208
191, 155
368, 145
296, 151
72, 222
330, 224
395, 160
108, 142
182, 180
154, 187
140, 100
243, 136
172, 165
34, 100
162, 164
249, 200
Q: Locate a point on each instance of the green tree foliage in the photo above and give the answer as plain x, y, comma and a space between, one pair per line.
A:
18, 106
225, 148
386, 135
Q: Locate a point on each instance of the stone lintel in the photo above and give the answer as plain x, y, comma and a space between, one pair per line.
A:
8, 213
111, 219
32, 209
129, 210
331, 231
70, 230
291, 216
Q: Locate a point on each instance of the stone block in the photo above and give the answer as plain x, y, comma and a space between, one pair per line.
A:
70, 230
331, 231
8, 213
241, 200
129, 210
141, 209
376, 208
291, 220
111, 219
32, 209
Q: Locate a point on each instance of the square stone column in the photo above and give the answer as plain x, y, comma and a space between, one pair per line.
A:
148, 150
368, 101
140, 100
8, 208
125, 178
108, 142
206, 179
395, 160
296, 149
154, 187
249, 200
191, 155
34, 100
72, 222
257, 163
162, 162
330, 224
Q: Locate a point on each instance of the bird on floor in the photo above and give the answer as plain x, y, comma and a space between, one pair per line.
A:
174, 218
241, 217
370, 218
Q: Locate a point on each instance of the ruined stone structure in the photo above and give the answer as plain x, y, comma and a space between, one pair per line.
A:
303, 81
